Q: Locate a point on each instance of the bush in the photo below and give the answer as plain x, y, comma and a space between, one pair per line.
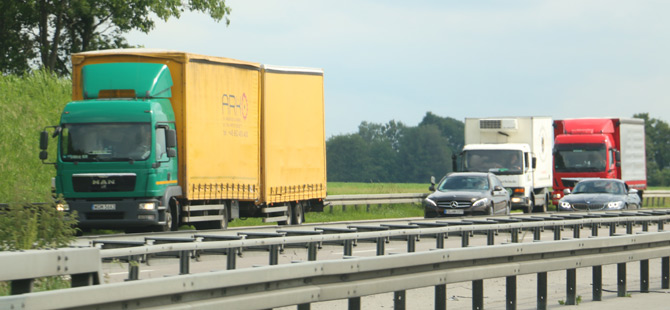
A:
35, 226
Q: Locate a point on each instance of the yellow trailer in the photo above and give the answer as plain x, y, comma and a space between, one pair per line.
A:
250, 138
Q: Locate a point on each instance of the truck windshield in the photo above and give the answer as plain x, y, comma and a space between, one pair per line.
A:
582, 157
500, 162
106, 142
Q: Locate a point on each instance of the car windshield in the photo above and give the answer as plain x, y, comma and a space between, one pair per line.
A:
475, 183
106, 142
601, 186
500, 162
580, 157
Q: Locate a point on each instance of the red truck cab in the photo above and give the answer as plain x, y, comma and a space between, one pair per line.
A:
609, 148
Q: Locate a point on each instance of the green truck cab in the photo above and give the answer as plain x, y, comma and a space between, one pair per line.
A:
117, 160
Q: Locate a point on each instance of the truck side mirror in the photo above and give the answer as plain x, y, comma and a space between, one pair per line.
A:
617, 155
171, 139
171, 153
44, 141
534, 162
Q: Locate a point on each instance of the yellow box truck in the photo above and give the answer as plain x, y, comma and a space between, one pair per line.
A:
224, 139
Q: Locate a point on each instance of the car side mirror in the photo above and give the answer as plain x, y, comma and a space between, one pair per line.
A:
498, 188
632, 191
567, 191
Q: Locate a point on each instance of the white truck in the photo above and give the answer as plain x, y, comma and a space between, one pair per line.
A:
516, 149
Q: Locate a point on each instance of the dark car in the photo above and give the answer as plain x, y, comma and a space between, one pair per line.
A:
462, 193
599, 194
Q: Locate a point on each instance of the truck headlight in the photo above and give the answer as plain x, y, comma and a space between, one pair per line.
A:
147, 205
62, 207
430, 202
481, 202
615, 205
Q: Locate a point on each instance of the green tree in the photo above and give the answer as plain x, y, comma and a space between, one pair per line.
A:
657, 148
424, 153
452, 130
57, 28
16, 47
347, 158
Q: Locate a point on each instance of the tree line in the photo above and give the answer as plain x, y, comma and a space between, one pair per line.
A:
397, 153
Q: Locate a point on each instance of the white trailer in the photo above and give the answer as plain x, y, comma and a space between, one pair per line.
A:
518, 150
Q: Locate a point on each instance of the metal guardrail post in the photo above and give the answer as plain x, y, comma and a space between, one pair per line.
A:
465, 239
184, 262
510, 288
665, 272
441, 297
231, 258
594, 229
541, 290
576, 231
439, 240
644, 276
274, 254
490, 237
381, 246
597, 279
557, 232
478, 294
621, 279
133, 268
348, 247
312, 248
355, 303
571, 287
399, 300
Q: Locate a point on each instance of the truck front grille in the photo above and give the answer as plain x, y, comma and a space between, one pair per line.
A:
89, 182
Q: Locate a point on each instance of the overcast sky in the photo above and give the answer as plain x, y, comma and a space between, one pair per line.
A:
396, 60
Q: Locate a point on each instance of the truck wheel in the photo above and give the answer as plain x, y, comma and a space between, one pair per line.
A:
298, 213
543, 207
289, 216
171, 216
531, 205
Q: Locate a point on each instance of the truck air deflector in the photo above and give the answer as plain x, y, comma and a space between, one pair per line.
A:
126, 79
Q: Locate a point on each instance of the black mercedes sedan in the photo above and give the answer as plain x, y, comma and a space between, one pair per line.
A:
467, 193
599, 195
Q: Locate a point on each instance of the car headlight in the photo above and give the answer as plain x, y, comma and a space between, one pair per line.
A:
147, 205
615, 205
430, 202
564, 205
481, 202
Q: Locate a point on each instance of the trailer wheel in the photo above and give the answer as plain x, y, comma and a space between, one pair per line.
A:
223, 222
289, 216
298, 213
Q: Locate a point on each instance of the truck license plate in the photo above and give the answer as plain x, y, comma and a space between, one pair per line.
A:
104, 206
453, 211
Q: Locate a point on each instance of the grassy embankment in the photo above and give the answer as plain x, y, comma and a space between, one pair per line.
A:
27, 105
